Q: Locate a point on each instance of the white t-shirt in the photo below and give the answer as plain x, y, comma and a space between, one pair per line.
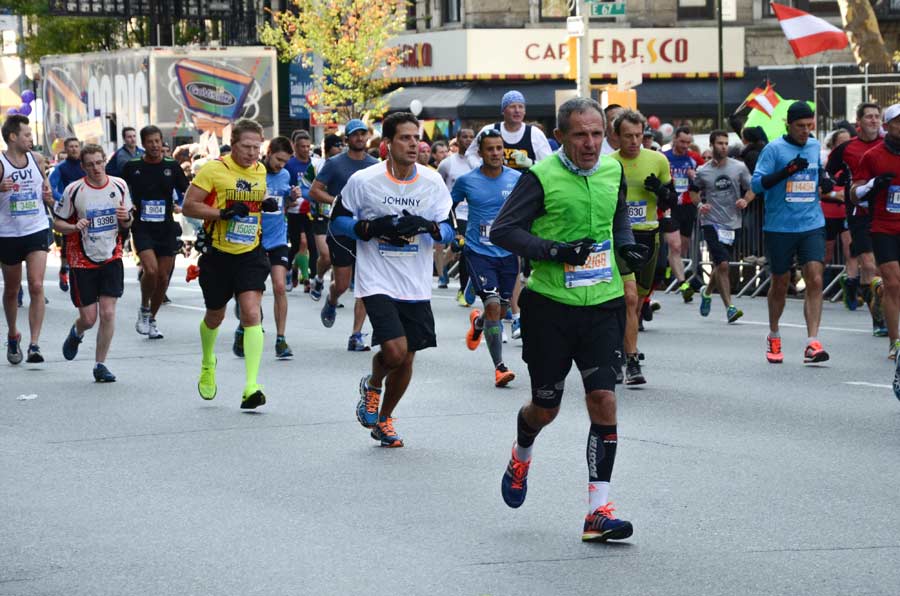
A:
454, 166
403, 273
100, 240
539, 143
22, 209
606, 148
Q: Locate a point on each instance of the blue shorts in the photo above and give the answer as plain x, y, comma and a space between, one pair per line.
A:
492, 275
782, 246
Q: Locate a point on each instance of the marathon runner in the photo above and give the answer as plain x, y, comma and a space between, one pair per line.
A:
492, 270
722, 191
321, 213
789, 172
569, 216
610, 140
843, 163
678, 224
227, 194
342, 249
397, 210
649, 183
877, 182
91, 214
450, 169
152, 180
24, 196
65, 173
281, 196
299, 216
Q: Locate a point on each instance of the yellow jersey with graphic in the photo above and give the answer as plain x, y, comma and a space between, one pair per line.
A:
226, 184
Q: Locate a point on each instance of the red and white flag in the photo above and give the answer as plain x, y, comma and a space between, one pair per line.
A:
808, 34
763, 100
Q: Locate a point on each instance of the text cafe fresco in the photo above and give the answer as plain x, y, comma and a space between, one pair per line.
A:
542, 53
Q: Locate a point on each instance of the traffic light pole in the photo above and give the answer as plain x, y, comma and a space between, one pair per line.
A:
584, 50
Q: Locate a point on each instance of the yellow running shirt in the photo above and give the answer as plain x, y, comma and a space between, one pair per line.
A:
642, 202
226, 184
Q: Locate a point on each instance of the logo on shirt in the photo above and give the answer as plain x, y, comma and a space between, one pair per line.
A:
167, 172
243, 186
402, 201
723, 183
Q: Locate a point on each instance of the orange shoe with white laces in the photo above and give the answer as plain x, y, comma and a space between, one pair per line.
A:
773, 351
503, 376
473, 335
814, 353
601, 526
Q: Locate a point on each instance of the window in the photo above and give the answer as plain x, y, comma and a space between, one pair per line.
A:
558, 10
450, 11
820, 8
410, 15
696, 9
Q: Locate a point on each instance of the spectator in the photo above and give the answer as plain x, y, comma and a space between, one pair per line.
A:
424, 153
439, 151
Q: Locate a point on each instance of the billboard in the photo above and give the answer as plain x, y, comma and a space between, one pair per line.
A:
184, 91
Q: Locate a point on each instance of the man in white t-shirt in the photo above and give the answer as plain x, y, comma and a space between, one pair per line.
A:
396, 211
451, 168
523, 144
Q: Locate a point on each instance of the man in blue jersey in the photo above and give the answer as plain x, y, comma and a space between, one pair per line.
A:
789, 171
492, 270
65, 173
280, 196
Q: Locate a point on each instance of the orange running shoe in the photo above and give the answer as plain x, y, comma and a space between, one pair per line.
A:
814, 353
773, 353
473, 335
503, 376
193, 272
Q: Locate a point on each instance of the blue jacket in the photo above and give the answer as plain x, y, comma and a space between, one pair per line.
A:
792, 205
65, 173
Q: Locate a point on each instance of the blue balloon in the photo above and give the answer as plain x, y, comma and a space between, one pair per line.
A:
12, 111
25, 109
27, 96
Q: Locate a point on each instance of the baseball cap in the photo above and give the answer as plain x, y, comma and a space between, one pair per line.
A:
354, 125
891, 112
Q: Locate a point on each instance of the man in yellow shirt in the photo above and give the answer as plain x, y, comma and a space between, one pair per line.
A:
229, 195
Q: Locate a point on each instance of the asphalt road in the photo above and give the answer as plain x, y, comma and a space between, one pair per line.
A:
740, 477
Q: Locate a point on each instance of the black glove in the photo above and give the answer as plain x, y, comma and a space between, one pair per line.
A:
882, 182
653, 184
411, 225
270, 205
383, 226
236, 210
572, 253
634, 255
845, 177
826, 185
795, 165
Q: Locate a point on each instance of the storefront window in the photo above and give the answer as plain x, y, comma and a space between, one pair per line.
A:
410, 15
555, 9
821, 8
696, 9
450, 10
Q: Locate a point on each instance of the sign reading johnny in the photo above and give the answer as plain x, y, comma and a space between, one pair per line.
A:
205, 91
82, 87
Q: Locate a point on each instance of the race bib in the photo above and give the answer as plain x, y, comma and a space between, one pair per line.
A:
637, 211
390, 251
23, 204
725, 235
597, 269
801, 187
242, 230
153, 211
101, 220
681, 184
892, 203
484, 233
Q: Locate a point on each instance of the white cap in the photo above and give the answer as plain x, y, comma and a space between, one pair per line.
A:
891, 112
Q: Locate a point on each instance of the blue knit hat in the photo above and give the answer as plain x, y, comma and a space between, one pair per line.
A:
511, 97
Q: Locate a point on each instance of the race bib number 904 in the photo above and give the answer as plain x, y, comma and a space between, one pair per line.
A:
153, 211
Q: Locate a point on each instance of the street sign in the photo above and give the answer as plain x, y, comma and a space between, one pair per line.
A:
607, 9
575, 26
630, 74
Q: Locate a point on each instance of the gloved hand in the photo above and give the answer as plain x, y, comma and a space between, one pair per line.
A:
881, 182
236, 210
634, 255
572, 253
383, 226
269, 205
844, 178
394, 240
826, 185
795, 165
653, 184
411, 225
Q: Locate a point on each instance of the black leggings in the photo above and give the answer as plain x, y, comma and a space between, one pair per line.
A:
462, 268
301, 224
